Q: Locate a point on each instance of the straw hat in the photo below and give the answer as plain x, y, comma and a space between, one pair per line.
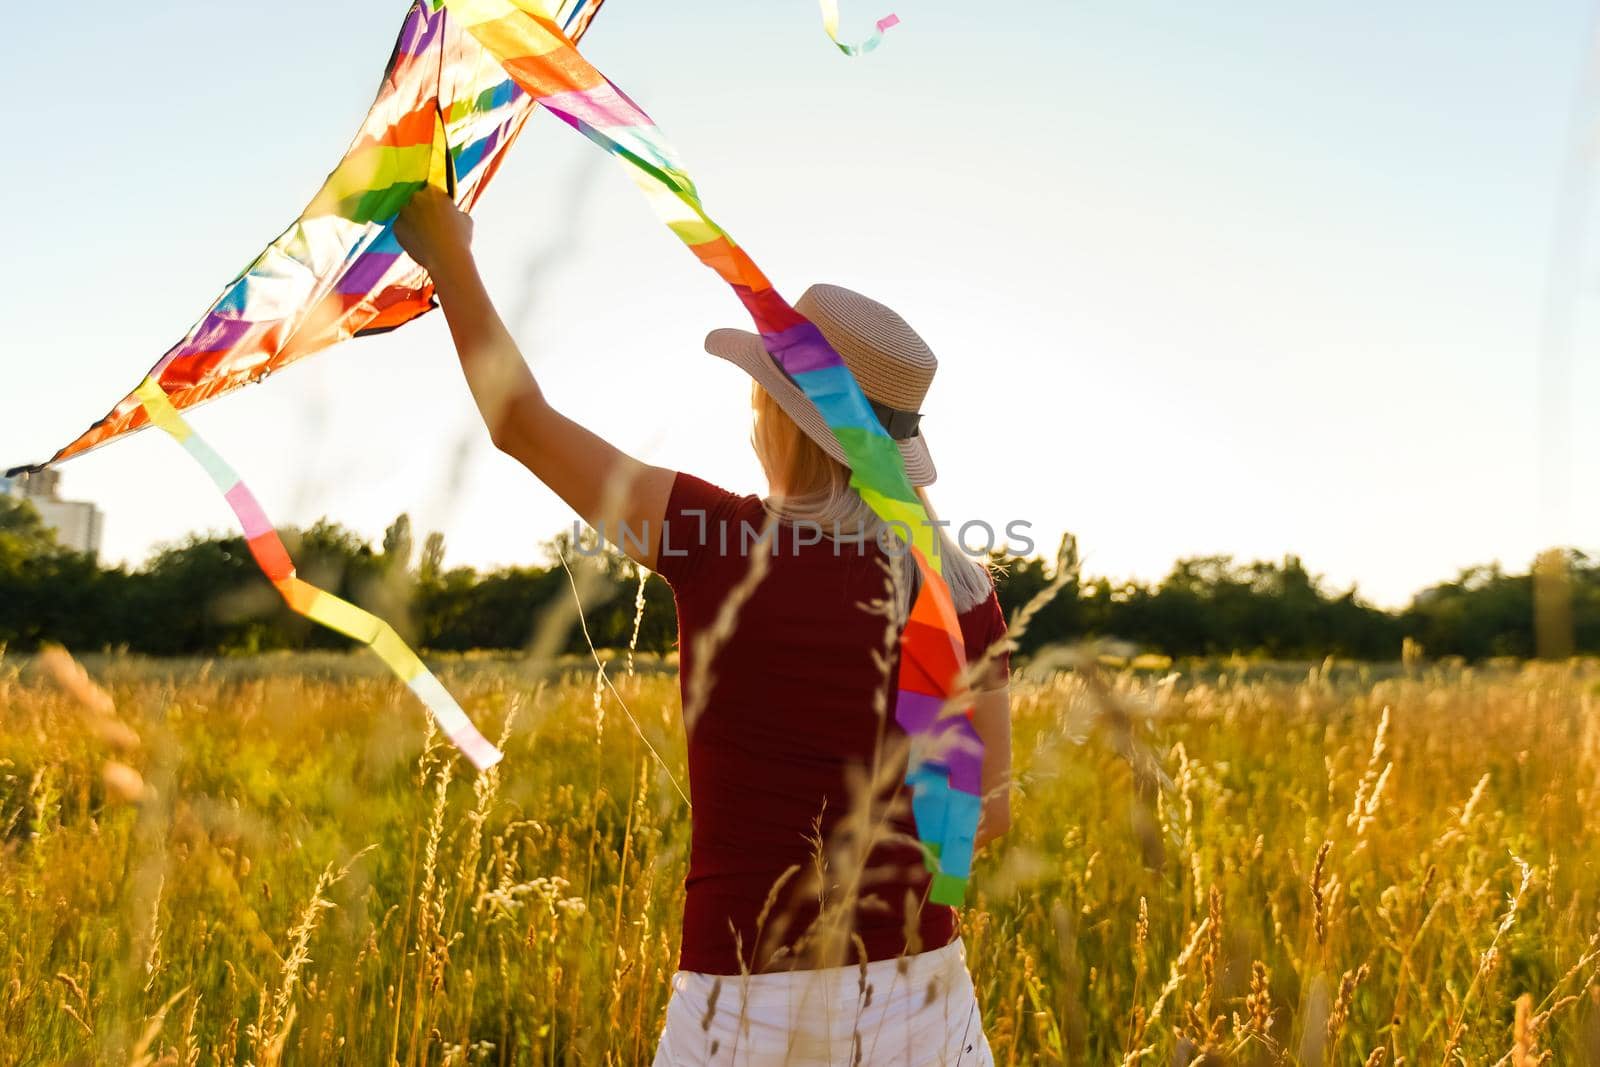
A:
893, 366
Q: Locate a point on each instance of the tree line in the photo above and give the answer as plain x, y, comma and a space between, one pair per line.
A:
204, 596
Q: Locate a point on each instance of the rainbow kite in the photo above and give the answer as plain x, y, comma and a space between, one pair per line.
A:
464, 78
445, 114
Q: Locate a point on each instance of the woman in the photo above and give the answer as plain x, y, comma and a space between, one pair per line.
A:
807, 937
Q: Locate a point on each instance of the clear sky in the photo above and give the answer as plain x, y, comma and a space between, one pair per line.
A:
1250, 278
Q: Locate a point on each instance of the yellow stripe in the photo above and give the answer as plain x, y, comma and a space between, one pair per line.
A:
538, 7
475, 12
516, 36
343, 616
396, 654
913, 518
160, 409
697, 231
830, 18
373, 167
515, 13
439, 156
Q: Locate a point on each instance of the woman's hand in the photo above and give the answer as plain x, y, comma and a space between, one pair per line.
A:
436, 233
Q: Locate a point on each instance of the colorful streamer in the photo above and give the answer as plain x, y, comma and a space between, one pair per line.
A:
946, 753
830, 22
317, 604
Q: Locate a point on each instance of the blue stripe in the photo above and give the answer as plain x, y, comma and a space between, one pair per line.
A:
469, 157
839, 399
385, 241
238, 294
946, 817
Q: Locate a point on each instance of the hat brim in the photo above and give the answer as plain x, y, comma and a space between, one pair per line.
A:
744, 350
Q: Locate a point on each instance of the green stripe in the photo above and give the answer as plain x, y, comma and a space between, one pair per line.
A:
948, 889
914, 518
378, 205
876, 462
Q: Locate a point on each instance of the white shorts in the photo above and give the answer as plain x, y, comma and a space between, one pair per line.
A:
918, 1011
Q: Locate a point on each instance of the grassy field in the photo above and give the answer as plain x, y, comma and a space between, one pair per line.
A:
269, 860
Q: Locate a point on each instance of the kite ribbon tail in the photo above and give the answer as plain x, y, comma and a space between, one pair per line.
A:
306, 599
830, 23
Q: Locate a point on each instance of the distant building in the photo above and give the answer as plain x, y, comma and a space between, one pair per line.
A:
78, 525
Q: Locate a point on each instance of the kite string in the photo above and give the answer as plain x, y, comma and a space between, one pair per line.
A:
306, 599
601, 674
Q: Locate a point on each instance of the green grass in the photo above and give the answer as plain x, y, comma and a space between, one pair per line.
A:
267, 859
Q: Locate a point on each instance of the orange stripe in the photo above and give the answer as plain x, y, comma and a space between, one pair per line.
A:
410, 130
559, 72
933, 653
913, 678
296, 593
732, 263
933, 606
271, 556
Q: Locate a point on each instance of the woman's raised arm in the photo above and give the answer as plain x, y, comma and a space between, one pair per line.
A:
621, 497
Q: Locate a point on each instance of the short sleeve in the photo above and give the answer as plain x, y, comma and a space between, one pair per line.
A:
696, 510
983, 627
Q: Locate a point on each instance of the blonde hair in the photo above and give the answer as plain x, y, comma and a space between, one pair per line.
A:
808, 485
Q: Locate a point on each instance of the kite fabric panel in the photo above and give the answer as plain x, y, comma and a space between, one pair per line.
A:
932, 704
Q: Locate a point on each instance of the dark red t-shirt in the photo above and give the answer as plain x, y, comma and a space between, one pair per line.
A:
783, 733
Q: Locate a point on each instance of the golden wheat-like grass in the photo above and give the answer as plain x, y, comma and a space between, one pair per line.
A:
1333, 865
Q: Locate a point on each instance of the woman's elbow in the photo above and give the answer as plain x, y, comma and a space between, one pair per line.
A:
508, 438
516, 421
502, 432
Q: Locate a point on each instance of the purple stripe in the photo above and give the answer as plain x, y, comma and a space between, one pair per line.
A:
962, 752
950, 743
916, 712
364, 274
215, 334
801, 348
419, 31
493, 140
576, 123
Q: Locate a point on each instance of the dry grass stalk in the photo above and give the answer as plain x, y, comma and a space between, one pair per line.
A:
1488, 958
271, 1030
638, 616
1319, 907
141, 1055
1180, 967
1258, 1002
1341, 1003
